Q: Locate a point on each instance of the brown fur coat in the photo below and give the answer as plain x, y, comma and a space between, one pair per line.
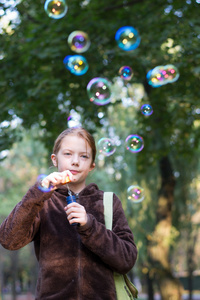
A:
75, 263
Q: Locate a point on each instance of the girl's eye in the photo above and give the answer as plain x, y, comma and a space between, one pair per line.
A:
85, 156
67, 153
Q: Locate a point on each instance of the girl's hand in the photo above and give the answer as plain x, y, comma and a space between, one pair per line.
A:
56, 179
76, 213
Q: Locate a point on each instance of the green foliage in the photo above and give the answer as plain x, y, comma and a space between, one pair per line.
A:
25, 161
36, 87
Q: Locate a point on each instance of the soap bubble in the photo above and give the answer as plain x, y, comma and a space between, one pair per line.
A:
79, 41
135, 193
55, 9
154, 77
162, 75
76, 64
172, 73
134, 143
126, 72
106, 146
127, 38
42, 187
99, 91
146, 109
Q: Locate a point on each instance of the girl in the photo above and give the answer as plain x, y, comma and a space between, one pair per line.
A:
75, 262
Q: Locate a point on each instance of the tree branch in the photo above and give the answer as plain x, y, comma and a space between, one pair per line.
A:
123, 5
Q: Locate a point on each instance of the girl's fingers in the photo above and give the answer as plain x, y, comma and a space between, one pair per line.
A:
58, 178
77, 218
76, 213
68, 176
73, 206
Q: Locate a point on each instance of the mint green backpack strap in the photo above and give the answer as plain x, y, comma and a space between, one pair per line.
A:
108, 209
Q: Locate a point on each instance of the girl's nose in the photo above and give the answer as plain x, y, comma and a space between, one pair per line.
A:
75, 160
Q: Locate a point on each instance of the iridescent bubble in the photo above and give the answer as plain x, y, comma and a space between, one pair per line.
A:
79, 41
146, 109
162, 75
55, 9
99, 91
134, 143
172, 73
41, 187
127, 38
76, 64
135, 193
155, 78
106, 146
126, 72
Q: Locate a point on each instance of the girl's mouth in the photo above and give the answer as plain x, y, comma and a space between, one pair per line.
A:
74, 172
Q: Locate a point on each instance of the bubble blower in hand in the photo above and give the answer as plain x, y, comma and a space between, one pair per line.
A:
44, 186
47, 186
70, 199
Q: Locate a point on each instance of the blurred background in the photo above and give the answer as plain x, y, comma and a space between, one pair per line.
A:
128, 71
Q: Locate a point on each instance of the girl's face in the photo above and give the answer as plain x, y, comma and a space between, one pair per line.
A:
74, 155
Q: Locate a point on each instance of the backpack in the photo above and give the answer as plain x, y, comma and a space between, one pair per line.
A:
125, 289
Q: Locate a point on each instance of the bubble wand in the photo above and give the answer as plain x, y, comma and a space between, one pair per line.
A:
70, 199
46, 186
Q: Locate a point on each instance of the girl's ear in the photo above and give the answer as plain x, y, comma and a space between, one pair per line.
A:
54, 160
92, 166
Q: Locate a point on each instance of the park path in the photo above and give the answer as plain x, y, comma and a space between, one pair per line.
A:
19, 297
29, 296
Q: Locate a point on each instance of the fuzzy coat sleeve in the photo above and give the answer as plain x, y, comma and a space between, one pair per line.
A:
19, 228
116, 248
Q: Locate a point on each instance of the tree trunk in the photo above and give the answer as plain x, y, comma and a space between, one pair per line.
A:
1, 277
150, 287
159, 244
192, 239
14, 264
190, 285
